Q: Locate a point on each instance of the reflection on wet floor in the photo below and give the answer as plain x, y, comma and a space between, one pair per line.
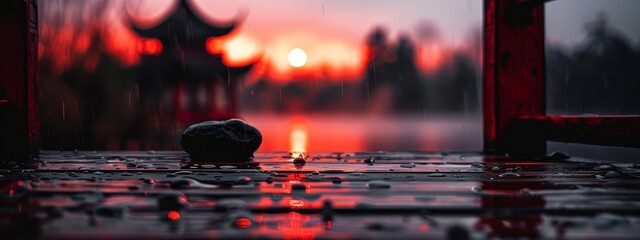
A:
319, 195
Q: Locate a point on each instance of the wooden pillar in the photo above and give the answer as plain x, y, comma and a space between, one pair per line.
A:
514, 75
19, 122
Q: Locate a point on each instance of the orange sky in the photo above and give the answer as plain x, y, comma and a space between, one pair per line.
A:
332, 33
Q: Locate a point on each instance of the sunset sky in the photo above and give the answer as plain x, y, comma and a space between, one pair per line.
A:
333, 33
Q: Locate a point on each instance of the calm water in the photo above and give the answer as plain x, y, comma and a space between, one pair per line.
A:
367, 133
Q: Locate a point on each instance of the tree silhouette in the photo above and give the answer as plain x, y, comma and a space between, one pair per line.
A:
600, 75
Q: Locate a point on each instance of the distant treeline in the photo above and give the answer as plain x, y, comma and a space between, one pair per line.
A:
601, 75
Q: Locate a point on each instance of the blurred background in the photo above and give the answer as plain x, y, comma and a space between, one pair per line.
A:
353, 75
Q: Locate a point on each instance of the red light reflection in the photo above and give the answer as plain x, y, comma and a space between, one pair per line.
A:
424, 227
295, 229
242, 223
174, 215
296, 203
328, 225
298, 138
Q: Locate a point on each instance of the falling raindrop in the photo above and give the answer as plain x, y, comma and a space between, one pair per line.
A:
64, 115
509, 174
228, 77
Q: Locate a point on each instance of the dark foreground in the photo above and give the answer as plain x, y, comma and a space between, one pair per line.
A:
160, 195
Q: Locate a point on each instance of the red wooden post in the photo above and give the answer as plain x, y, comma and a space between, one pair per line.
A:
514, 74
19, 122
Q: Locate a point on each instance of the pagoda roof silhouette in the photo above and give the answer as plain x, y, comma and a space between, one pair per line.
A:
186, 26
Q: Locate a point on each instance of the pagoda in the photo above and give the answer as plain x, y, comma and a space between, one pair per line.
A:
181, 75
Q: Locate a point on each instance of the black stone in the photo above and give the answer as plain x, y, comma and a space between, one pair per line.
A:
221, 141
457, 233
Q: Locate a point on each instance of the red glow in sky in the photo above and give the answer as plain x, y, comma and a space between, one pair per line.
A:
332, 34
150, 46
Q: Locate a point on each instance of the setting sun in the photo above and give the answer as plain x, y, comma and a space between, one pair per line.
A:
297, 57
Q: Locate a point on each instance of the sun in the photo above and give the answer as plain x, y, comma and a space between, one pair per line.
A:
297, 57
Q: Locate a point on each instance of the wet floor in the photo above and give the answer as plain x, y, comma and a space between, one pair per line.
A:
319, 195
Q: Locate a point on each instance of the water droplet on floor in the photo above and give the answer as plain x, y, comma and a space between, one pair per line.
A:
557, 156
612, 174
370, 161
299, 161
604, 167
145, 165
436, 175
148, 180
184, 183
377, 184
509, 174
183, 173
172, 201
408, 165
243, 180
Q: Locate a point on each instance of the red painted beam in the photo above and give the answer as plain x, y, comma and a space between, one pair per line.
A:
19, 122
514, 72
620, 131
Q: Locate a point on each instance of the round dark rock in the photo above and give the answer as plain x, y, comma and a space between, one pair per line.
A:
457, 233
221, 141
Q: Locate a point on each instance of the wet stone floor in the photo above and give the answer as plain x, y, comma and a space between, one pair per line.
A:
353, 195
